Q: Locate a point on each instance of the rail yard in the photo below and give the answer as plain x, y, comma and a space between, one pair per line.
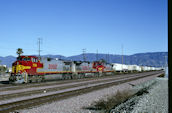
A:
19, 96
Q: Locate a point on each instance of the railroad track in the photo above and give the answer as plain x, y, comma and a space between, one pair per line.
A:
53, 87
38, 86
22, 86
4, 87
19, 99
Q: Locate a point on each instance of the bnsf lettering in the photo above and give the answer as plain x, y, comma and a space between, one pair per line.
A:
52, 66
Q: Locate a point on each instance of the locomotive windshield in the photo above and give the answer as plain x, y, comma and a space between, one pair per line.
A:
23, 59
19, 59
26, 59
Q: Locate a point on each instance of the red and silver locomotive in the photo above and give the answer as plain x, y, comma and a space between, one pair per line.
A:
33, 69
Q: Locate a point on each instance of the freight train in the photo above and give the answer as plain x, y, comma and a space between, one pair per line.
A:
27, 69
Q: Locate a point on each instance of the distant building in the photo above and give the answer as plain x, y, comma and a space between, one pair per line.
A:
9, 69
3, 66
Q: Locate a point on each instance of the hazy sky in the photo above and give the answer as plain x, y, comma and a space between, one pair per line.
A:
68, 26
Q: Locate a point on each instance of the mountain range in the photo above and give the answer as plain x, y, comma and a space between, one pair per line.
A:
156, 59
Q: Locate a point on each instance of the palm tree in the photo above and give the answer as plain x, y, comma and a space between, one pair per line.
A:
102, 60
19, 51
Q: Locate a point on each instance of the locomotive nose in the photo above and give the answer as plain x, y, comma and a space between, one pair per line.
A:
17, 67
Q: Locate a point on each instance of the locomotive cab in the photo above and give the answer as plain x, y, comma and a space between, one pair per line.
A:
24, 66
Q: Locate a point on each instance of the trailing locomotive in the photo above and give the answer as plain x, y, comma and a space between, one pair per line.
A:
33, 69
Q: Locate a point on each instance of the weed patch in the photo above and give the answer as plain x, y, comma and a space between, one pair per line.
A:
111, 101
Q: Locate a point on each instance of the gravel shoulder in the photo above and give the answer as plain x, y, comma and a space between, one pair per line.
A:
156, 100
153, 100
76, 104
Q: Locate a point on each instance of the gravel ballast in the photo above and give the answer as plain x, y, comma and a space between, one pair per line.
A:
77, 103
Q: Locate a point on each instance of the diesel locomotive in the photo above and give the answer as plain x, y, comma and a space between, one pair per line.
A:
27, 69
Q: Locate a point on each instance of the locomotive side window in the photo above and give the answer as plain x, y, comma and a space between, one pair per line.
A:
34, 60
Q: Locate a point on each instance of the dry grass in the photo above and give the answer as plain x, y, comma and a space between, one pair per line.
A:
162, 75
111, 101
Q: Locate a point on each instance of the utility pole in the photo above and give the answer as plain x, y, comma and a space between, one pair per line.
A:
108, 57
84, 57
166, 69
39, 47
97, 56
122, 55
166, 61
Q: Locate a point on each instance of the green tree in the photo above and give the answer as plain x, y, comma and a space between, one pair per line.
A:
19, 51
3, 69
